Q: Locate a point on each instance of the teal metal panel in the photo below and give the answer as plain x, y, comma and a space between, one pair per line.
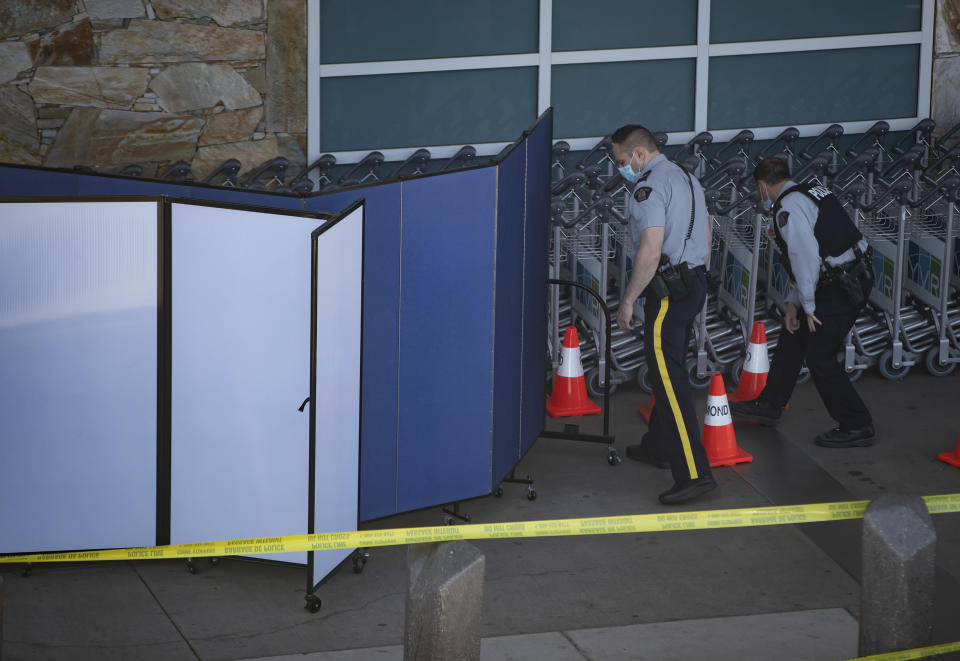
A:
780, 89
581, 25
417, 109
762, 20
595, 99
378, 30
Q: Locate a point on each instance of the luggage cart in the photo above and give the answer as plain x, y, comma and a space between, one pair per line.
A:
885, 229
932, 271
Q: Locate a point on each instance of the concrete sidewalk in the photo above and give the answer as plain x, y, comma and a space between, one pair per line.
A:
589, 596
819, 635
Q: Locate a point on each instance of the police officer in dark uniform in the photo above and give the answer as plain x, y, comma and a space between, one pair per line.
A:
669, 228
827, 260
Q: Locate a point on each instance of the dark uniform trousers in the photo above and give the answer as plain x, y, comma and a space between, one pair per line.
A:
674, 432
820, 350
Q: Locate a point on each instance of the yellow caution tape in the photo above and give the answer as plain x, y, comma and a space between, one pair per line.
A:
907, 655
604, 525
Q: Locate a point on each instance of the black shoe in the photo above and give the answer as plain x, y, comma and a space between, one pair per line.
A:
847, 438
639, 453
756, 410
681, 493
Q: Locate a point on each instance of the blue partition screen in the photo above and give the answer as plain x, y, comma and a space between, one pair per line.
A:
508, 315
536, 233
454, 313
446, 338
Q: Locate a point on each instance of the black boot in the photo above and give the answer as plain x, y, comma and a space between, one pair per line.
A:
847, 438
681, 493
756, 410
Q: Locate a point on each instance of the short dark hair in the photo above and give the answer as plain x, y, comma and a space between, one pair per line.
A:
772, 171
634, 135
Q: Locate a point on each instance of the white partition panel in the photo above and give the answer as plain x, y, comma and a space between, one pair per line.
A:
78, 375
336, 399
240, 368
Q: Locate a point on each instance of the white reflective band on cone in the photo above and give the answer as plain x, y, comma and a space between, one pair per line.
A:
570, 366
718, 411
757, 361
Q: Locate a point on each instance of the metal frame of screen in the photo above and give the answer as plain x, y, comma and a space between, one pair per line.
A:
353, 213
702, 51
70, 240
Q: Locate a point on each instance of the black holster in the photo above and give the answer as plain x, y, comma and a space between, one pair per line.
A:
670, 281
855, 278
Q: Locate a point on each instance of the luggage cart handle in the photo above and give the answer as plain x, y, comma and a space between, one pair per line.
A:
788, 137
878, 132
831, 134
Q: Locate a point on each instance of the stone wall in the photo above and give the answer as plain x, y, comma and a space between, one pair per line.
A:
945, 97
109, 83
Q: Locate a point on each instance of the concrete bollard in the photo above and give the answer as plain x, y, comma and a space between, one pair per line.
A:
896, 585
444, 602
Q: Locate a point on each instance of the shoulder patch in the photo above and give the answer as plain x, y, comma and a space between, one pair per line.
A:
642, 193
782, 218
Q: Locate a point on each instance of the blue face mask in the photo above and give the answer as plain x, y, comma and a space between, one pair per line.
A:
765, 205
628, 173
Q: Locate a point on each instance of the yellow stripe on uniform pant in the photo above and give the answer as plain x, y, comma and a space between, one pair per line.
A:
668, 386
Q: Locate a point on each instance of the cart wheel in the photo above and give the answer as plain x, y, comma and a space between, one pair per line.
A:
855, 375
885, 363
643, 379
191, 569
696, 382
214, 561
736, 368
313, 603
613, 458
447, 520
593, 384
934, 366
531, 493
803, 377
498, 492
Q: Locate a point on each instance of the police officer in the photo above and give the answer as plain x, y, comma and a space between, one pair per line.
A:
669, 229
827, 260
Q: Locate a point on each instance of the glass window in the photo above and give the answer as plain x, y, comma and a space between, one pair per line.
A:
782, 89
594, 99
579, 25
377, 30
419, 109
763, 20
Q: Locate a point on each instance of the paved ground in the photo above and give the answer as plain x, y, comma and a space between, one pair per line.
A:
724, 594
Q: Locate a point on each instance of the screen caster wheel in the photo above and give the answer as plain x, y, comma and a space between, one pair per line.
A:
531, 493
498, 492
313, 603
613, 458
360, 560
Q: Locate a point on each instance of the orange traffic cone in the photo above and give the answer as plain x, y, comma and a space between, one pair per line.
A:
718, 438
569, 387
952, 458
753, 377
646, 409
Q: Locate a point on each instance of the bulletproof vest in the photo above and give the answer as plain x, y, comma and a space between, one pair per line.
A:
834, 231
